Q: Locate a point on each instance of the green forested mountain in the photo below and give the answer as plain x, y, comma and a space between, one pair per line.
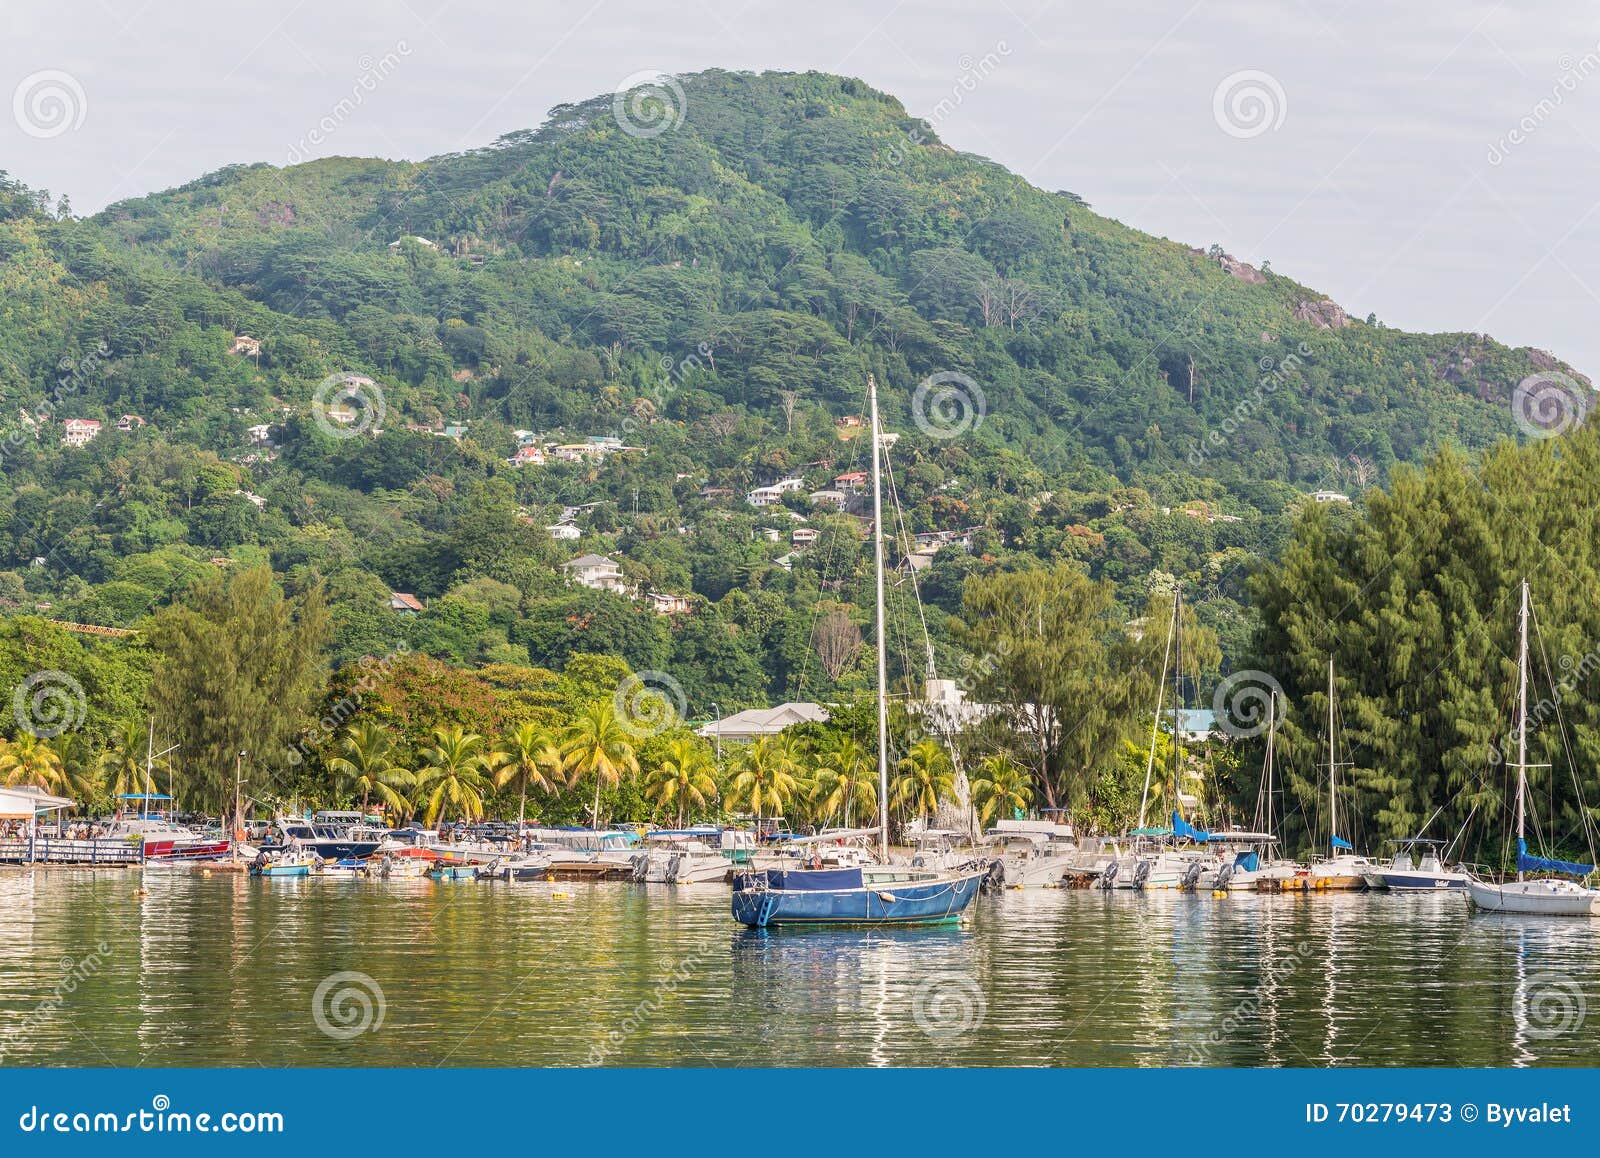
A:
714, 294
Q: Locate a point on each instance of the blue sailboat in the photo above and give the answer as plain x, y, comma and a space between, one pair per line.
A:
881, 894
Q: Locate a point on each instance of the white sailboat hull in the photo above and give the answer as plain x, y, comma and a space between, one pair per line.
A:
1535, 898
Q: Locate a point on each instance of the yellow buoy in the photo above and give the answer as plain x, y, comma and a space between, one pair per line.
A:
1219, 892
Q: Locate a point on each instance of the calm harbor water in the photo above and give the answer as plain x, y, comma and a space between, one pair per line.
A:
226, 970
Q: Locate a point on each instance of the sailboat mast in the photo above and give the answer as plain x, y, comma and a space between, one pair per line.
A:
1177, 697
1522, 723
1155, 725
1333, 799
882, 635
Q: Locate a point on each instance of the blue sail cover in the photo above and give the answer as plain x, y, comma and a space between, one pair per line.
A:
1181, 827
1341, 842
1539, 864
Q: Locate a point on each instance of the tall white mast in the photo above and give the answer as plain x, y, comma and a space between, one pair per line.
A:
882, 635
1522, 722
1333, 799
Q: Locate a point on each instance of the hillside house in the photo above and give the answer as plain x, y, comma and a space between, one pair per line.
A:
664, 604
755, 722
596, 572
80, 431
404, 603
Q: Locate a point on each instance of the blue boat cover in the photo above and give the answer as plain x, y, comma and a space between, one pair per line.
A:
1539, 864
1247, 861
1341, 842
1181, 827
802, 880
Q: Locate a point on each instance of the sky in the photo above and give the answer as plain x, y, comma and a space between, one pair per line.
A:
1435, 165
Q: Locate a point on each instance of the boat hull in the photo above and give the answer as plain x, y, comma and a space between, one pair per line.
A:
174, 849
1534, 898
935, 902
1422, 882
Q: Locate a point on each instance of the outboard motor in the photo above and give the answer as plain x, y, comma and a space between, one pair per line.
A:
1224, 875
1108, 877
995, 880
674, 864
640, 863
1141, 874
1191, 876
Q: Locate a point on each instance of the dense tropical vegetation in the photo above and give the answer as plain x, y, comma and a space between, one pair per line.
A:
1142, 417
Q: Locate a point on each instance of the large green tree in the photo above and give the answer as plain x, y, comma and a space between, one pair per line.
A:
238, 667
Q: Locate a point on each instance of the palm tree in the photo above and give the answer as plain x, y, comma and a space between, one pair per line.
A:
926, 776
78, 779
122, 771
30, 760
453, 775
596, 744
366, 764
683, 776
843, 779
1001, 786
765, 777
529, 758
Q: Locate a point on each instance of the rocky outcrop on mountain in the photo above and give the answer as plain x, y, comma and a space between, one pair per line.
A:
1325, 315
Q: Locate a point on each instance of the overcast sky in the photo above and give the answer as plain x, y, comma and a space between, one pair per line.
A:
1439, 167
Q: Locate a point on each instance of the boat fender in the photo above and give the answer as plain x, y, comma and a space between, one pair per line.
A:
889, 898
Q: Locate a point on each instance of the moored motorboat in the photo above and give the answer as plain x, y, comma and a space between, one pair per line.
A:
1422, 870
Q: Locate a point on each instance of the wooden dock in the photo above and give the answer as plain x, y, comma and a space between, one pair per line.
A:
58, 850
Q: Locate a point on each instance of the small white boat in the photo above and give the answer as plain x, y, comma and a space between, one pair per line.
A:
679, 857
1035, 854
1422, 870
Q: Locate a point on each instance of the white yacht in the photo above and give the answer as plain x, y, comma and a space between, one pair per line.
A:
1035, 854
